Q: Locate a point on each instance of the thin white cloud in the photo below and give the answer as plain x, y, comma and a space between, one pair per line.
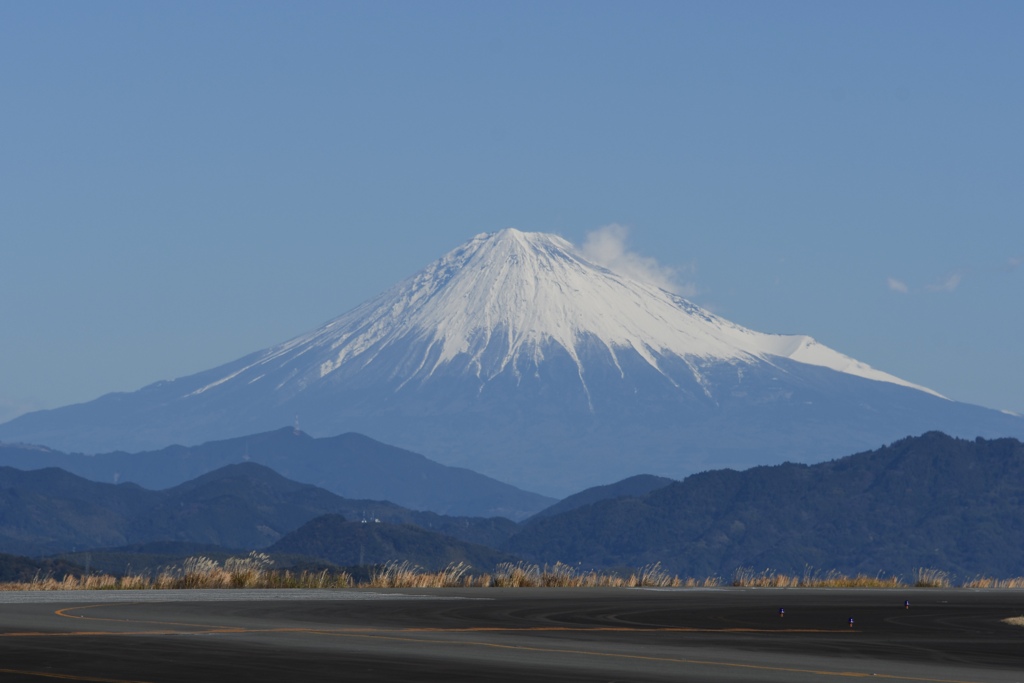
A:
606, 246
897, 285
947, 285
1015, 262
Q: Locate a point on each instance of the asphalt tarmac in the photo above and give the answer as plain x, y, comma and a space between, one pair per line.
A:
486, 634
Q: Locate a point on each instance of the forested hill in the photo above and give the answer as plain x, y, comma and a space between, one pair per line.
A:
928, 501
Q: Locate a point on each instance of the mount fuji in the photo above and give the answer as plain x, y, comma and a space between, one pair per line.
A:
516, 356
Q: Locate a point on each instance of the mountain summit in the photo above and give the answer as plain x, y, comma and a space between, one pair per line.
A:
516, 356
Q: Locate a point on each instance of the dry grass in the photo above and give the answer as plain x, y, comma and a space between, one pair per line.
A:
523, 575
989, 582
68, 583
932, 578
255, 571
516, 575
406, 575
746, 577
923, 578
196, 572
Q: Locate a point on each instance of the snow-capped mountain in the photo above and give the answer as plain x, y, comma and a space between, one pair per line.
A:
499, 302
517, 357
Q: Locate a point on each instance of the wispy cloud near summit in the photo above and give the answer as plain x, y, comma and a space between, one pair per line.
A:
606, 246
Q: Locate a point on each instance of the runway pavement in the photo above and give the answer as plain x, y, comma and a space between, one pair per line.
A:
485, 634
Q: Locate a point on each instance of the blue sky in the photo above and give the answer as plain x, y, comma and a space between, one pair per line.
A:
184, 183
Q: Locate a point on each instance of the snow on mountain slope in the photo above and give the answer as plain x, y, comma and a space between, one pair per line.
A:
522, 292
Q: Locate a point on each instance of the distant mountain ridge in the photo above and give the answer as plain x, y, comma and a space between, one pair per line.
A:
242, 506
638, 485
350, 465
517, 357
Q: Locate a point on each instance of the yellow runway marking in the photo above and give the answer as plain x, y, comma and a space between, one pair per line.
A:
393, 635
624, 629
482, 629
67, 677
64, 613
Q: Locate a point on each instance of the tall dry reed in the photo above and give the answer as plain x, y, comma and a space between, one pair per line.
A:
195, 572
989, 582
255, 571
932, 578
747, 577
407, 575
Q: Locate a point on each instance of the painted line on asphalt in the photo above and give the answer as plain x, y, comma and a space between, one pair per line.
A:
67, 677
65, 612
482, 629
622, 629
